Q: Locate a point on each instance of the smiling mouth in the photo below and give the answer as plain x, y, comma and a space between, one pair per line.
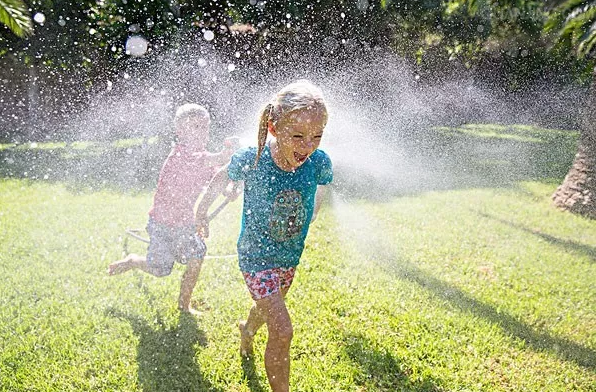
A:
299, 157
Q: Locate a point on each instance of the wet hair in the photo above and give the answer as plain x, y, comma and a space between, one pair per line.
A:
301, 94
191, 109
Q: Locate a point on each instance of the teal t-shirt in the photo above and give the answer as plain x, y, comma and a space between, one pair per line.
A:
278, 207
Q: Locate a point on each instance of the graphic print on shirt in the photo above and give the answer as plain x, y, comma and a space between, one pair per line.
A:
287, 215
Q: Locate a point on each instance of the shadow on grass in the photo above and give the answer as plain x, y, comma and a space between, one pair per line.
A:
562, 348
166, 357
249, 372
567, 245
380, 369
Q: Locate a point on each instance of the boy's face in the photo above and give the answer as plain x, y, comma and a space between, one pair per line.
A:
298, 134
193, 129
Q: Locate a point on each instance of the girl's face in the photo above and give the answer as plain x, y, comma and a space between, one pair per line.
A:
297, 135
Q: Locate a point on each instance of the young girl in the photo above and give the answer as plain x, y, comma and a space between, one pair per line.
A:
281, 198
183, 176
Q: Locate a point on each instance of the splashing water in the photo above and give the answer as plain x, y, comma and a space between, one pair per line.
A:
380, 113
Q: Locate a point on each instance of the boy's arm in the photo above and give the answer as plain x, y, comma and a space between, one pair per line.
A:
319, 197
215, 188
231, 144
218, 158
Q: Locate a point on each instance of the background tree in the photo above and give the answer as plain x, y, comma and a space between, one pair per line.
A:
15, 16
574, 23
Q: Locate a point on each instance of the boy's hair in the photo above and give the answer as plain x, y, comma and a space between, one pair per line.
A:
301, 94
191, 109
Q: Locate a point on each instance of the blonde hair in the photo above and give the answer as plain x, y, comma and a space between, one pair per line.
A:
191, 109
301, 94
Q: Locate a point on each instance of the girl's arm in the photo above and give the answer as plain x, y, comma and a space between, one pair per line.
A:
319, 197
215, 188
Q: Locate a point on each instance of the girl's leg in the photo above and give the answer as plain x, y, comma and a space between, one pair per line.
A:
249, 328
187, 285
277, 354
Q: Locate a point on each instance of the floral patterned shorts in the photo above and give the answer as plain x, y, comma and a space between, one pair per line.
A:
265, 283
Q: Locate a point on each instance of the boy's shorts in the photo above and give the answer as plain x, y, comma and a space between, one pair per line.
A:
265, 283
169, 244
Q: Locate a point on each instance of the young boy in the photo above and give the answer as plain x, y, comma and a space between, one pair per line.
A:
171, 227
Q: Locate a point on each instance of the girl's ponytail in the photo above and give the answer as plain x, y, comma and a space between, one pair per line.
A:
263, 130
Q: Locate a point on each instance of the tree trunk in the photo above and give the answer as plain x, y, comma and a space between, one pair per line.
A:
577, 193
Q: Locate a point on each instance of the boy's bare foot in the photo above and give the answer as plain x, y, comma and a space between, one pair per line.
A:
121, 266
246, 339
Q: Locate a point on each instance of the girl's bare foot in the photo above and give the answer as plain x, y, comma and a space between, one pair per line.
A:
246, 339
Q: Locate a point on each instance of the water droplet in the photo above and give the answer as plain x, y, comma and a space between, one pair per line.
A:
231, 67
39, 18
362, 4
208, 35
136, 46
61, 22
134, 28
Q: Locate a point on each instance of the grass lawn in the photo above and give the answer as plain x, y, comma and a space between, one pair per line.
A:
475, 288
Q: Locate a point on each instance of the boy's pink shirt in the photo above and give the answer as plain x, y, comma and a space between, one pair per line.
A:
183, 177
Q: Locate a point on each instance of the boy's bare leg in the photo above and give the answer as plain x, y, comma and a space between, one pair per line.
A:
250, 326
280, 331
126, 264
189, 281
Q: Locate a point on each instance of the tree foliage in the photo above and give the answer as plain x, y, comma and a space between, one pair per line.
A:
574, 23
15, 16
90, 37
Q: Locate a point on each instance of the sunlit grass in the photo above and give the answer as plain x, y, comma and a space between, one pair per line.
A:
482, 287
475, 290
514, 132
78, 145
134, 142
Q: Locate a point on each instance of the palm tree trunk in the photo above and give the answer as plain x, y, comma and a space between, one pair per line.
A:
577, 193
